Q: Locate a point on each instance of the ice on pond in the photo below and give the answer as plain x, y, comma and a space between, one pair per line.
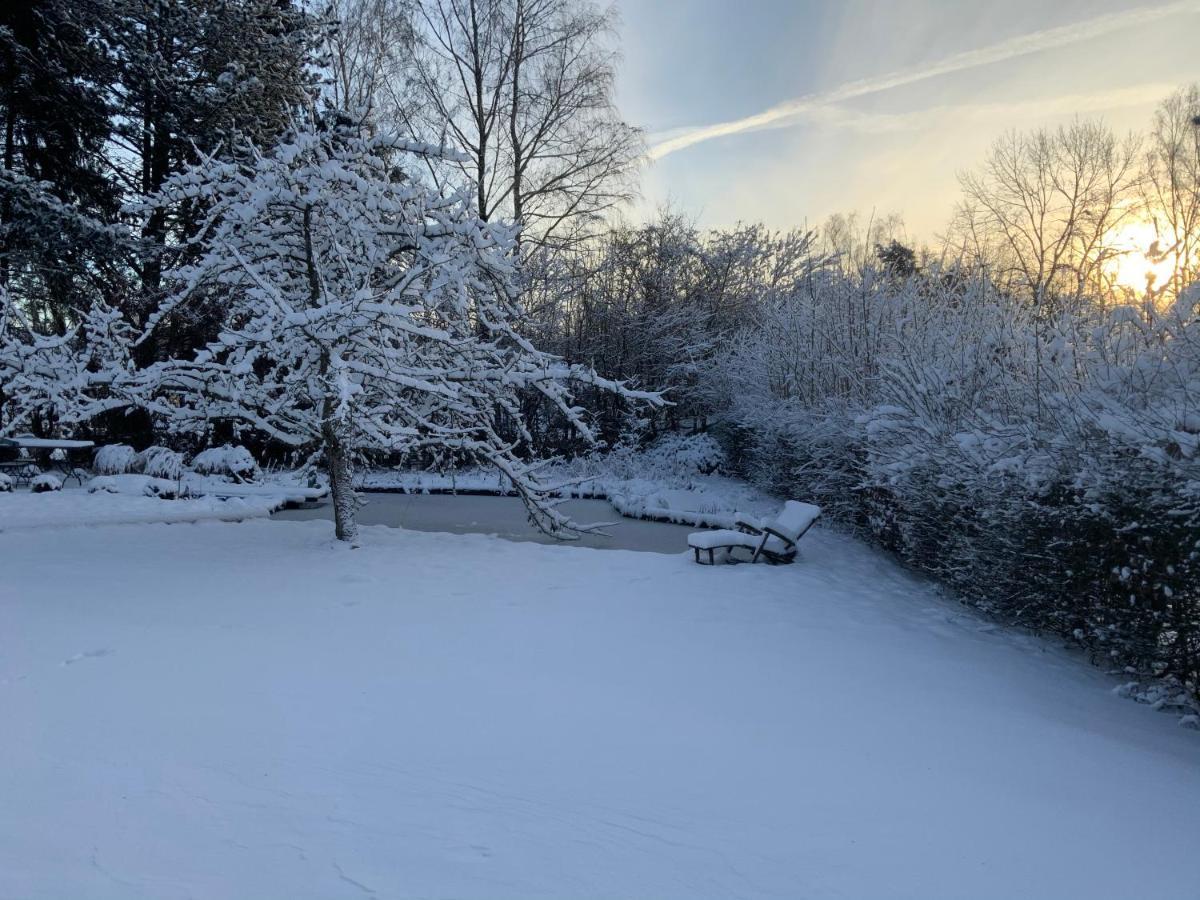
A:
505, 517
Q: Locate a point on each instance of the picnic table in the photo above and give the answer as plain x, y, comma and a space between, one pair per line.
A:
25, 456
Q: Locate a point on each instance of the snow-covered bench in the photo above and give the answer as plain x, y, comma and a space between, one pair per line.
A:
771, 539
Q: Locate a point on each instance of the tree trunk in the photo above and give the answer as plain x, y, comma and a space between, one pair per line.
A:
337, 456
337, 463
514, 135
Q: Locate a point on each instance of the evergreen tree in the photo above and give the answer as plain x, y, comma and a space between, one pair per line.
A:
196, 75
57, 197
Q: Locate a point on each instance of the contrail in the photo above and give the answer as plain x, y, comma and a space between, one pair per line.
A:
1047, 39
1137, 95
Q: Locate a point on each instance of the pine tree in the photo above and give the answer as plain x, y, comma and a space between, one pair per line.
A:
58, 200
194, 76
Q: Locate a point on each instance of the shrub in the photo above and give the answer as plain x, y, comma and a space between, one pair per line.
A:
159, 462
685, 454
165, 490
115, 459
1047, 470
45, 483
230, 461
141, 485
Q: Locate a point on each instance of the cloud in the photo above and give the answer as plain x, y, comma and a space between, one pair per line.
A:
1005, 113
819, 105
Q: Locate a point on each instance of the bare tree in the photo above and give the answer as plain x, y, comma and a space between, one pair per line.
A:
1172, 183
368, 53
525, 88
1043, 209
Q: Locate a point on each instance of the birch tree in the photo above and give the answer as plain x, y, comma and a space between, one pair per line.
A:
526, 88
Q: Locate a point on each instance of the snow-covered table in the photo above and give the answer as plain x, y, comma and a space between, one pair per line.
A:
20, 454
34, 443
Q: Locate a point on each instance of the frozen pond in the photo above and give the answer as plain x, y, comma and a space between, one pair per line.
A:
505, 517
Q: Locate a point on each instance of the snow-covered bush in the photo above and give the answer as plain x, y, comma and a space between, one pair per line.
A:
672, 458
166, 490
115, 459
160, 462
59, 375
120, 459
685, 454
139, 485
1046, 468
6, 483
230, 461
45, 483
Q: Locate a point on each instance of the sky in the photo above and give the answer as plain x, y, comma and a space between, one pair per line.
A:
786, 111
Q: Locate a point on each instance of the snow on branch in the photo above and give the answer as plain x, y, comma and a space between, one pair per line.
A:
363, 311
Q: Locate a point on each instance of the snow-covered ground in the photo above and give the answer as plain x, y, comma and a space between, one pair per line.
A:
22, 509
129, 499
246, 710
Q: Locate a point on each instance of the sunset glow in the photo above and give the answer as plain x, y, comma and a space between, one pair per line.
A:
1144, 260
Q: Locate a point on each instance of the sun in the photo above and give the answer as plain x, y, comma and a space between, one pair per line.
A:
1143, 260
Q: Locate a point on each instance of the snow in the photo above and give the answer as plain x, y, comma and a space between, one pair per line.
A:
145, 485
32, 443
487, 481
130, 498
699, 504
161, 462
722, 537
47, 481
796, 518
21, 510
115, 459
279, 491
271, 714
225, 460
283, 489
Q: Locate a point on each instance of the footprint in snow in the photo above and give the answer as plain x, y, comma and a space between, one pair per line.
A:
470, 853
88, 654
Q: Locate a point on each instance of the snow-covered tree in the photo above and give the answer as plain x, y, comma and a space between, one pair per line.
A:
363, 311
54, 382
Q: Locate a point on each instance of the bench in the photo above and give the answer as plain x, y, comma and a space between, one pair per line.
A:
773, 540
